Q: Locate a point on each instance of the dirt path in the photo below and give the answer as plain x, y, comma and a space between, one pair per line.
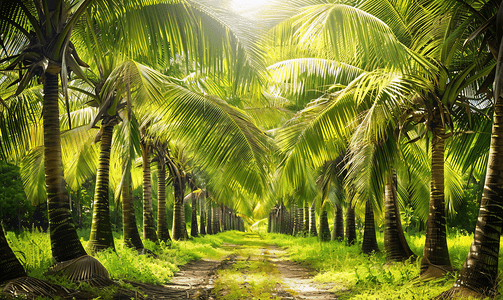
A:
252, 271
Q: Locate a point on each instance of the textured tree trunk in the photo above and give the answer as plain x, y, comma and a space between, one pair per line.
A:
436, 262
338, 232
184, 220
216, 219
306, 217
350, 225
193, 224
300, 227
178, 217
209, 212
162, 216
312, 219
65, 242
131, 235
10, 267
148, 214
101, 228
395, 244
479, 275
324, 228
369, 244
202, 214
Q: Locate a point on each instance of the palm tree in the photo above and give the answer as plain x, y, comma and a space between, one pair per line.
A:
478, 277
42, 31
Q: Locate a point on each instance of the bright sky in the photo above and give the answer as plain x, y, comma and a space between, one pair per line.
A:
244, 6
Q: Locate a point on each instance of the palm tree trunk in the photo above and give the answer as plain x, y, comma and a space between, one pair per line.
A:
131, 235
202, 214
148, 214
216, 223
395, 244
312, 221
300, 226
65, 242
10, 267
338, 232
101, 229
178, 232
183, 219
162, 216
193, 225
306, 217
479, 275
350, 225
324, 228
436, 262
209, 221
369, 244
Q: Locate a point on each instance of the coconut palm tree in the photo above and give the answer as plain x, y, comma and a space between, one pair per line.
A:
37, 35
478, 277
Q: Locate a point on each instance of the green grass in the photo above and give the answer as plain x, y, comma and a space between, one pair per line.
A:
353, 275
359, 276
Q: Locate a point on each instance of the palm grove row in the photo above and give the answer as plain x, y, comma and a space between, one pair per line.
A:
313, 104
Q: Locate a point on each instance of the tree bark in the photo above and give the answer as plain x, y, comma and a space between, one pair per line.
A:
131, 235
395, 244
324, 228
65, 242
306, 217
148, 214
193, 225
162, 215
10, 267
350, 225
479, 275
369, 244
101, 229
436, 262
202, 214
209, 213
312, 219
338, 232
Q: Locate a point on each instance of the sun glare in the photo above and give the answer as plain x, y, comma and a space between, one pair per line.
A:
248, 6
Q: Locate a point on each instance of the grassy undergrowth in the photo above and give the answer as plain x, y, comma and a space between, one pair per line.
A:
351, 274
358, 276
34, 252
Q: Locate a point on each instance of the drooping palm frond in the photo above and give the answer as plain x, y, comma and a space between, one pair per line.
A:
345, 33
18, 115
309, 78
211, 37
221, 136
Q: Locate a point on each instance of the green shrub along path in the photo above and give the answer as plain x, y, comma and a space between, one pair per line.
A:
249, 265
